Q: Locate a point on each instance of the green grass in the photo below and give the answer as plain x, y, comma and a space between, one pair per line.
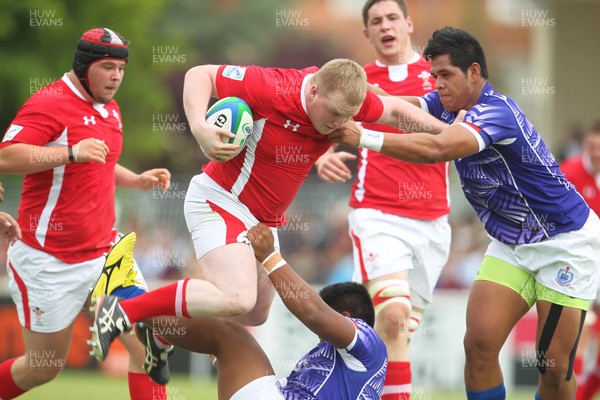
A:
92, 385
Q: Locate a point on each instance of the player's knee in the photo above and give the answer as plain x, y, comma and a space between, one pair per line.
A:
241, 304
391, 299
553, 375
393, 320
478, 346
41, 376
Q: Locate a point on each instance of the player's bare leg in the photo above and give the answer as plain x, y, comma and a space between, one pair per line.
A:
228, 285
390, 294
240, 359
492, 312
557, 336
45, 356
136, 353
266, 292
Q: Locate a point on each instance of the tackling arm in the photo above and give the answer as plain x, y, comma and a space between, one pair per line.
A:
403, 113
298, 296
452, 143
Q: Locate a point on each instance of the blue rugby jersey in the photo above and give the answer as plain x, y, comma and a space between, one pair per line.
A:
513, 183
326, 373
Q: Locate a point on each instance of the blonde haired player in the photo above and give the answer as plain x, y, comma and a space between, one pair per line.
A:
297, 108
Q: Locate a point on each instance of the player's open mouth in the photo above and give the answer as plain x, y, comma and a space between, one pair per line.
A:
387, 39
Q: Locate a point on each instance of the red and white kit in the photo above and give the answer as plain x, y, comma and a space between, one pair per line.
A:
67, 213
279, 154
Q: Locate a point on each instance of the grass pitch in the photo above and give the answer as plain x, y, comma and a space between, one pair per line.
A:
92, 385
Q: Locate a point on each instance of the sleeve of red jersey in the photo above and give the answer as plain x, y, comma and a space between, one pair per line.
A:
37, 123
245, 82
371, 109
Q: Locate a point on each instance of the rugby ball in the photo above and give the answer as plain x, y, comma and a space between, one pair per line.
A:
234, 115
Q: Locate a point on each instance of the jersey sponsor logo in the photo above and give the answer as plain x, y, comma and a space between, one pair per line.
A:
564, 277
11, 132
288, 125
89, 120
234, 72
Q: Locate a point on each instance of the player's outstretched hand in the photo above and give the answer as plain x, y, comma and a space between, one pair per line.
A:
211, 142
262, 241
154, 178
90, 150
348, 134
331, 167
9, 228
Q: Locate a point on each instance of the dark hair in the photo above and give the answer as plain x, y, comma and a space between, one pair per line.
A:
460, 45
351, 297
371, 3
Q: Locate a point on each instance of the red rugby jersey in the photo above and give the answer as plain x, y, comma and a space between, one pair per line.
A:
587, 184
393, 186
67, 211
283, 146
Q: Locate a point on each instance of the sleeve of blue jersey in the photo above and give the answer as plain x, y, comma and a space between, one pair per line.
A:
433, 104
494, 123
368, 347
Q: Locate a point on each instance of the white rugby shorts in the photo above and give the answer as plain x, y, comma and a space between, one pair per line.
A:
216, 217
385, 243
48, 292
568, 262
263, 388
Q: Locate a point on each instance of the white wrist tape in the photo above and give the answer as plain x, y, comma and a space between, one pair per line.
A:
371, 140
273, 262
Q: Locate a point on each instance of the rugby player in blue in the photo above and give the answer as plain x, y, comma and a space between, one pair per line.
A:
545, 246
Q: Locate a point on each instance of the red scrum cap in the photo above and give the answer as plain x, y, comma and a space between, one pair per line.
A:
96, 44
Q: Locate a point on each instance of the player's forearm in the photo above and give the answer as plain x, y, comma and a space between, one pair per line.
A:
298, 296
306, 304
198, 87
408, 117
125, 177
21, 158
419, 148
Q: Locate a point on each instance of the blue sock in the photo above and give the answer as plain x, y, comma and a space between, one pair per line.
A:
537, 396
128, 293
497, 393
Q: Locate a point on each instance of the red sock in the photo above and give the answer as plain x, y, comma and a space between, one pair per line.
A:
143, 388
8, 387
397, 381
168, 300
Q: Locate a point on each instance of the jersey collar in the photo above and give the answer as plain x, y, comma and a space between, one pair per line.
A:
415, 57
302, 93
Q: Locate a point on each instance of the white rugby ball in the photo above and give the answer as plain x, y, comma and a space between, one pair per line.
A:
234, 115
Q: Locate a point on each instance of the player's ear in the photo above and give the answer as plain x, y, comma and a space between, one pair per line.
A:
346, 314
474, 71
409, 23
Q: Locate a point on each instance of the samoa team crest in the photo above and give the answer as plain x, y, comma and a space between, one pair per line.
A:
564, 277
